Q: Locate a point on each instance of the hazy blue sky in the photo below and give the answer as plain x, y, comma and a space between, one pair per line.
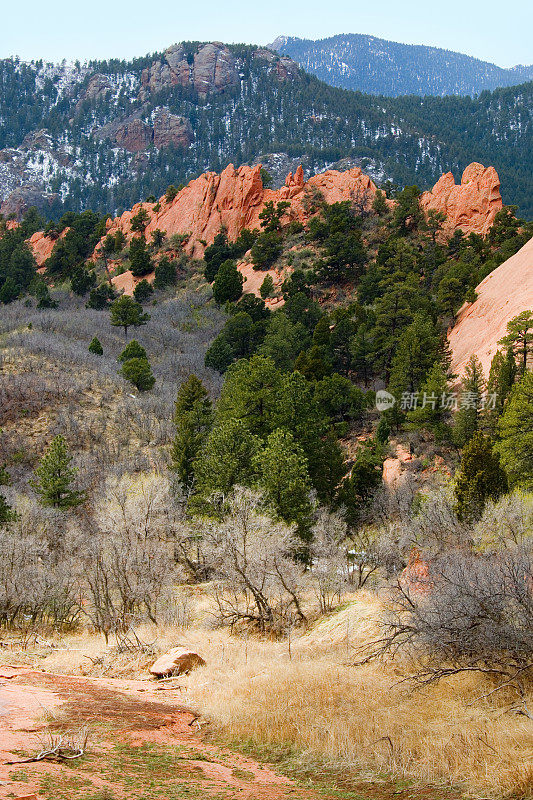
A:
56, 29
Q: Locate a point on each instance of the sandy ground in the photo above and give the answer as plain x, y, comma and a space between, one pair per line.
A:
138, 712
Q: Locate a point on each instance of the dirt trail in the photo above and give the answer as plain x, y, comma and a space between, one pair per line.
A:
143, 744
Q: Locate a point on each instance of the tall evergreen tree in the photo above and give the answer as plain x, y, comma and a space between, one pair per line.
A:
283, 475
515, 429
480, 478
469, 414
54, 476
193, 417
520, 338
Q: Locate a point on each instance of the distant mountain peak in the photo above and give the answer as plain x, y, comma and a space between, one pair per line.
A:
378, 66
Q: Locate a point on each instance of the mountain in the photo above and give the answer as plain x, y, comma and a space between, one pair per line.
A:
107, 134
368, 64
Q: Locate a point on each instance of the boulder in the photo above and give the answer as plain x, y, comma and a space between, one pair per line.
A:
177, 661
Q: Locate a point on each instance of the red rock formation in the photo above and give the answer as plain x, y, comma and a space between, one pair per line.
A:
133, 135
136, 135
170, 129
126, 282
42, 246
502, 295
234, 199
472, 205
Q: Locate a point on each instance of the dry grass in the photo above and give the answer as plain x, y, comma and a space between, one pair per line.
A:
361, 718
304, 696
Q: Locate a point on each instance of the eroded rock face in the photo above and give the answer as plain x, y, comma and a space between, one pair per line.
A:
137, 135
471, 205
285, 68
235, 198
20, 200
211, 69
501, 296
42, 246
98, 87
170, 129
134, 135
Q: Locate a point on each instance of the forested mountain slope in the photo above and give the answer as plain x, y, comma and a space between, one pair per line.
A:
107, 134
377, 66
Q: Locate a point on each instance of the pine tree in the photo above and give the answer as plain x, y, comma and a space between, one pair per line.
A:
267, 287
501, 380
515, 429
480, 478
250, 394
142, 291
6, 512
228, 283
54, 476
126, 312
141, 263
469, 415
431, 408
283, 475
225, 460
193, 417
95, 347
520, 338
139, 373
418, 349
132, 350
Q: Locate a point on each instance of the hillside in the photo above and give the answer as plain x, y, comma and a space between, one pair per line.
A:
106, 135
377, 66
196, 467
501, 296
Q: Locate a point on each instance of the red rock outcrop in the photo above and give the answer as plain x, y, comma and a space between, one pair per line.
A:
126, 282
234, 199
170, 129
471, 205
502, 295
42, 246
133, 135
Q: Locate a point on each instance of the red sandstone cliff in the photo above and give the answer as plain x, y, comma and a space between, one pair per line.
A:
502, 295
471, 205
234, 199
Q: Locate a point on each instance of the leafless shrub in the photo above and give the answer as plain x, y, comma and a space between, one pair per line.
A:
37, 585
505, 522
128, 560
329, 556
255, 579
59, 746
472, 613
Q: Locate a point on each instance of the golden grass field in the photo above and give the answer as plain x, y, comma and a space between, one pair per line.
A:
306, 700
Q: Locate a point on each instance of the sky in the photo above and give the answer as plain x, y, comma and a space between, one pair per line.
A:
57, 29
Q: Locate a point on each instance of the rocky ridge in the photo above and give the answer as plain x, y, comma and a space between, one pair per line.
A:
233, 200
